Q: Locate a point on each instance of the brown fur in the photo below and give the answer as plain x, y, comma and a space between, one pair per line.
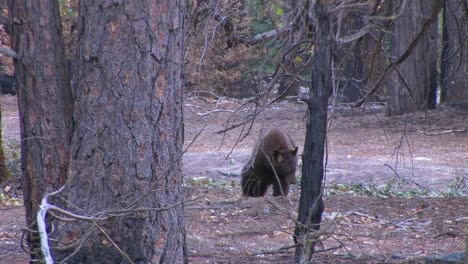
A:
273, 162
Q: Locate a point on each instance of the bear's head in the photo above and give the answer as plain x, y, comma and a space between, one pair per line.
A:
285, 163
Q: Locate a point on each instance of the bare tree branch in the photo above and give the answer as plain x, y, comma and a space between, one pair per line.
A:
41, 226
9, 52
361, 33
264, 36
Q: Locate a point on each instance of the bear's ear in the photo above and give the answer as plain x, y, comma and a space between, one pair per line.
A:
294, 150
277, 156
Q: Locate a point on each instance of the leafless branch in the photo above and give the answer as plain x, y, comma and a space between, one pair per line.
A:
445, 131
194, 139
45, 208
41, 226
9, 52
264, 36
361, 33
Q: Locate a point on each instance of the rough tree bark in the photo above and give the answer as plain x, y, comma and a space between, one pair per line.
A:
127, 144
311, 204
45, 102
414, 86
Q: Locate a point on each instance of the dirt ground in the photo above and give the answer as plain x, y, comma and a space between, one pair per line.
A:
388, 157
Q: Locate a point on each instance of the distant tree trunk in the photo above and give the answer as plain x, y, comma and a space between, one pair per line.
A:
311, 204
45, 102
128, 137
455, 54
4, 174
348, 64
414, 89
289, 81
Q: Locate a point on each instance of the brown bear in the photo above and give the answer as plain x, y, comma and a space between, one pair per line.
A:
273, 162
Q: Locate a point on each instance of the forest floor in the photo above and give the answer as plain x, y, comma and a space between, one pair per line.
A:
395, 188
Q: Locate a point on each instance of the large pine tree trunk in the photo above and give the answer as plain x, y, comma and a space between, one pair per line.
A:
45, 101
455, 54
415, 88
126, 147
311, 204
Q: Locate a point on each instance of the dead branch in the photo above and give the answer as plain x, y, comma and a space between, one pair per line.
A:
358, 35
9, 53
194, 139
446, 131
215, 111
264, 36
41, 226
229, 174
45, 208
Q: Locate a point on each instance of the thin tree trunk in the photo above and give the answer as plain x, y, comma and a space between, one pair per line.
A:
128, 137
45, 102
4, 174
311, 204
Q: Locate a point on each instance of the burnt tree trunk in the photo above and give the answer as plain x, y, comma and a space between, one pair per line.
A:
455, 54
127, 143
311, 204
45, 102
415, 87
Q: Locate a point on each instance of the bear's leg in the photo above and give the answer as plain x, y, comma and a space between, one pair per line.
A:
284, 187
262, 187
252, 185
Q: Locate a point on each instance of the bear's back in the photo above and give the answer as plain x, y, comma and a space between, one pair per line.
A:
274, 139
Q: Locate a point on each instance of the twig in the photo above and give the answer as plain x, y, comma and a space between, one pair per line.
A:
215, 111
398, 175
115, 245
194, 139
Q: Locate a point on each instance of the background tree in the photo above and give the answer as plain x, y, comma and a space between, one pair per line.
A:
123, 180
45, 102
416, 78
454, 53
